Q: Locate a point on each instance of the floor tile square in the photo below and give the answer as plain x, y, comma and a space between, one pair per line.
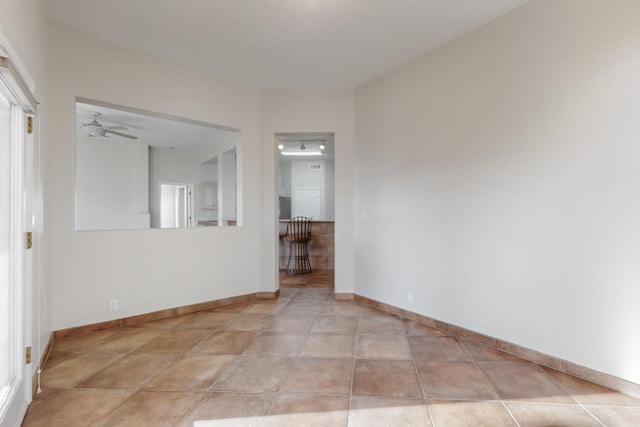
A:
256, 374
341, 308
225, 342
616, 415
435, 348
454, 380
70, 407
317, 296
193, 372
124, 340
395, 378
295, 411
152, 409
323, 376
131, 372
248, 322
388, 325
367, 411
230, 410
588, 393
329, 345
535, 414
383, 347
460, 413
335, 324
175, 341
303, 307
275, 343
68, 372
523, 382
293, 323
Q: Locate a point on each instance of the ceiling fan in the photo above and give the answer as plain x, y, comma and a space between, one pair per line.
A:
96, 129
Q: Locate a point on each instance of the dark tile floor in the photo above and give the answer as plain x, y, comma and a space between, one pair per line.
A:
306, 359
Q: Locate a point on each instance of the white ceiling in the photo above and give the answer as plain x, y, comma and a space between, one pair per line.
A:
274, 44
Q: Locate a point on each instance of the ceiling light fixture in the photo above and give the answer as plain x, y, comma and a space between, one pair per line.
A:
302, 153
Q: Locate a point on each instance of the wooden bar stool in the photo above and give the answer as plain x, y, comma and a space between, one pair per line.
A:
298, 235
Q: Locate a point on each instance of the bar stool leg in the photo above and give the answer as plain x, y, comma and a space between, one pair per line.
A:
299, 254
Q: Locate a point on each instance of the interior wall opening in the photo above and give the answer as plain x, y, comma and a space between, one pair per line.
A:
125, 159
306, 188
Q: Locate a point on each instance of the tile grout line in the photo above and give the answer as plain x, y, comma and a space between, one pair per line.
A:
484, 376
564, 389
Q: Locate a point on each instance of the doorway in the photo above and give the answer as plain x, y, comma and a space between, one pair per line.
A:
306, 187
176, 205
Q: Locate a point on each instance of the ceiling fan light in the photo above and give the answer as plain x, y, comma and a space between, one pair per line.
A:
95, 131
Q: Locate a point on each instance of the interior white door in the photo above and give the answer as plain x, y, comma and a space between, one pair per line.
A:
307, 202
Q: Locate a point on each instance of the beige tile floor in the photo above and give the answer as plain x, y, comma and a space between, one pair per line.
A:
302, 360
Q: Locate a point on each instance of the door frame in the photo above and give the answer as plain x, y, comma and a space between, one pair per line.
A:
20, 180
278, 223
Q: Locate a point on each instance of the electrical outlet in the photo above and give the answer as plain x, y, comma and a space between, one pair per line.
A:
410, 297
113, 305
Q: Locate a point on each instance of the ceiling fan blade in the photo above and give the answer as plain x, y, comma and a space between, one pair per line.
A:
116, 127
124, 135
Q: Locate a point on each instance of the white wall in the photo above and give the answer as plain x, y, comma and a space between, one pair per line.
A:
315, 111
112, 183
29, 47
500, 177
146, 270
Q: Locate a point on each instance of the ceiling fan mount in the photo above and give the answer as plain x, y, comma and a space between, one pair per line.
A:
95, 129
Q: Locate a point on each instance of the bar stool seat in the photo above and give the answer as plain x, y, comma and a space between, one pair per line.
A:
298, 235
